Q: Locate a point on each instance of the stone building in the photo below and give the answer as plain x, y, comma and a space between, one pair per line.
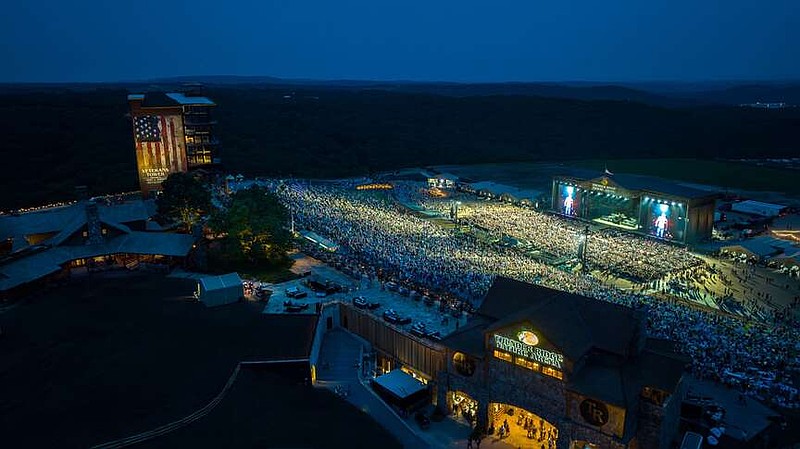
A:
562, 370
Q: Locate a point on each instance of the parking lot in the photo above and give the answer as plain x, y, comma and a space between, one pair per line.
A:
405, 306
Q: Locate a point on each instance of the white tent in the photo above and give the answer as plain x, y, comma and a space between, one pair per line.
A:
219, 290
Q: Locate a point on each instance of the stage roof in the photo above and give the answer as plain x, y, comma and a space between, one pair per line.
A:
651, 184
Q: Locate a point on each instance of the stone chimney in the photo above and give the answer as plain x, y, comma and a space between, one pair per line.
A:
94, 234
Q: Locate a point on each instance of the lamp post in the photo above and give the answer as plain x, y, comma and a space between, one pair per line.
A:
583, 246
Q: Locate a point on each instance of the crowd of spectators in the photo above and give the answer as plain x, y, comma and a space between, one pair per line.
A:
381, 239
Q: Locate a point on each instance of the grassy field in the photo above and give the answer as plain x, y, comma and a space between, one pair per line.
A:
724, 174
104, 358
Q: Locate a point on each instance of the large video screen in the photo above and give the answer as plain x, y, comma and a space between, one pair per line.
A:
665, 219
568, 200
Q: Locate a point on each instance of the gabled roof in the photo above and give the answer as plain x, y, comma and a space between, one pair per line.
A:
66, 220
469, 339
571, 322
35, 266
221, 282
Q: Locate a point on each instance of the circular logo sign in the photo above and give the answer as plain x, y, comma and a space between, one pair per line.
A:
604, 181
594, 412
528, 337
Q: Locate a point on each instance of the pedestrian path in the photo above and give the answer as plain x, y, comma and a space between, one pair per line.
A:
339, 366
339, 357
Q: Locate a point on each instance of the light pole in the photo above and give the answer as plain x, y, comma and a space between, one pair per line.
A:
583, 246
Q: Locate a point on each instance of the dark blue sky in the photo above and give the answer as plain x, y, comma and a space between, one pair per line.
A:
490, 40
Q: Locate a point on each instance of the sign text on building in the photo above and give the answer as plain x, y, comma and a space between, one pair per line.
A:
534, 353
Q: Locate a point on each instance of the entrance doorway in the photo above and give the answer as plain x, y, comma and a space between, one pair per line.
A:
463, 407
520, 428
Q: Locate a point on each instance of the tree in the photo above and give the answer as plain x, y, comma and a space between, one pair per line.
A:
183, 199
254, 226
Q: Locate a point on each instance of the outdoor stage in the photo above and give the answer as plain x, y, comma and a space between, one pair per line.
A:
637, 204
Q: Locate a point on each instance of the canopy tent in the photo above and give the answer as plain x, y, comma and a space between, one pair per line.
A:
400, 389
317, 239
219, 290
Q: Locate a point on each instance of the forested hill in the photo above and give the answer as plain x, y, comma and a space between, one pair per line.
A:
54, 140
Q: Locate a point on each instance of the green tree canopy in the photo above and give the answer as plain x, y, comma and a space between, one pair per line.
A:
254, 226
183, 199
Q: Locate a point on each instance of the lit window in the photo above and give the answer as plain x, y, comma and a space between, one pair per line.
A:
552, 372
503, 355
525, 363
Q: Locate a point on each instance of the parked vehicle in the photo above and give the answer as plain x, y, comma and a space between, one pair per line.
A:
295, 292
419, 330
325, 287
390, 316
362, 303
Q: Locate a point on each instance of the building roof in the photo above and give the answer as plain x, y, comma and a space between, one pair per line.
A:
169, 99
763, 246
790, 222
57, 219
469, 339
758, 208
49, 260
221, 282
497, 189
184, 99
572, 322
600, 381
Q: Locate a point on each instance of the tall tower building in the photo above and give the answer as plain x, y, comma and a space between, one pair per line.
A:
172, 132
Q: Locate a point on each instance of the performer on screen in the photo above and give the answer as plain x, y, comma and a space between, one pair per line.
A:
662, 222
568, 201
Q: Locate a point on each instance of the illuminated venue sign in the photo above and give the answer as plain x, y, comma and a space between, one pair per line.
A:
525, 346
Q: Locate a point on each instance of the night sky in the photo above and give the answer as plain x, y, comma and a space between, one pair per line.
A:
490, 40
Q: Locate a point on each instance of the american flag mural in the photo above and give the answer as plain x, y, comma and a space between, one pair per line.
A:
160, 148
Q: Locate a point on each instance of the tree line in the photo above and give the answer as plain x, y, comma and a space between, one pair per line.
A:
54, 140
